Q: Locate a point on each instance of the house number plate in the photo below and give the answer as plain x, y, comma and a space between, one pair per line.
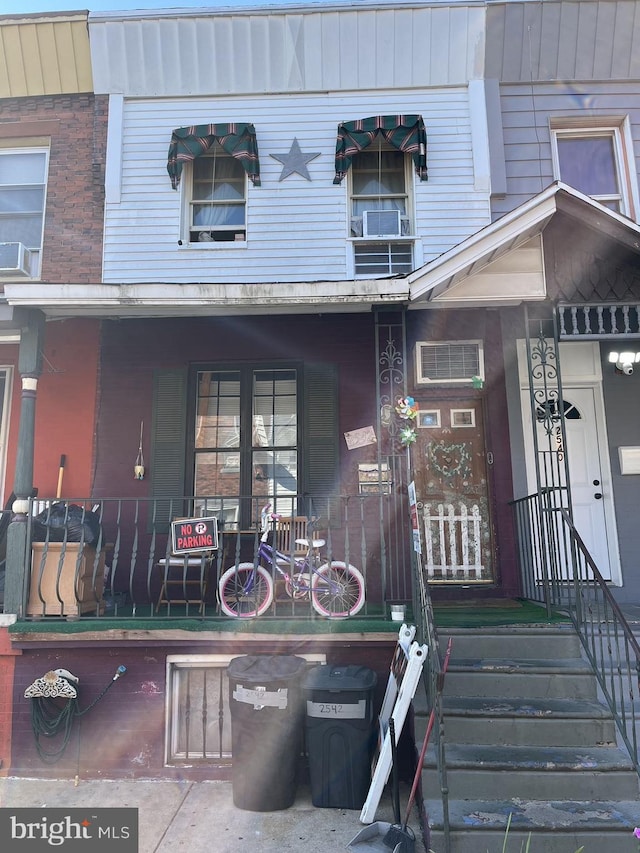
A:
337, 710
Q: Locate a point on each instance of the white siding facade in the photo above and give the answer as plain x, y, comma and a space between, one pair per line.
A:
297, 230
293, 72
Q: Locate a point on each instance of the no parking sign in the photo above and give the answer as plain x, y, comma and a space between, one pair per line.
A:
193, 535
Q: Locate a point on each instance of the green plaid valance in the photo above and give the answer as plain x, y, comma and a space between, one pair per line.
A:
406, 133
239, 140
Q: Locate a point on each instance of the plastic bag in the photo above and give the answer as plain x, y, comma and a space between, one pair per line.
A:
67, 523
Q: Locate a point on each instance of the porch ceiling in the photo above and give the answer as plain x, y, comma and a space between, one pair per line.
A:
473, 272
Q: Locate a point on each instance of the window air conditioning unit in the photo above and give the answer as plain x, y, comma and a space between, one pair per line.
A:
381, 223
15, 259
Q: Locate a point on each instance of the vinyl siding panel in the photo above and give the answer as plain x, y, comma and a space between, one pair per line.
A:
296, 229
527, 144
279, 51
44, 56
566, 40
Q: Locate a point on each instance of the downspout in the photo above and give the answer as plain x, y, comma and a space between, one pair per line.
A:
18, 546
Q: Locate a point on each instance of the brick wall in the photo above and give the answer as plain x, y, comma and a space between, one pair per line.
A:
76, 126
7, 670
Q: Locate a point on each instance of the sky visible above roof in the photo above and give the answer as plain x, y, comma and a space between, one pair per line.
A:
16, 7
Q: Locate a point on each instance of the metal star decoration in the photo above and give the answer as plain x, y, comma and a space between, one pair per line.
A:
295, 161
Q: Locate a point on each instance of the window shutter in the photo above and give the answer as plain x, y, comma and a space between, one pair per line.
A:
168, 429
320, 439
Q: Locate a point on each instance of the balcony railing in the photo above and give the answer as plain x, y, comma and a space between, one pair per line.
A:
99, 558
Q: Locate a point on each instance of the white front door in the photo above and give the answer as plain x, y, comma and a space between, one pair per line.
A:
590, 479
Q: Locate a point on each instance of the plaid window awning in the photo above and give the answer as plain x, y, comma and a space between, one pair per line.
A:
406, 133
239, 140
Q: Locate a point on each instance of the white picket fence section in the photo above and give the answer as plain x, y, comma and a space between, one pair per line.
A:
453, 548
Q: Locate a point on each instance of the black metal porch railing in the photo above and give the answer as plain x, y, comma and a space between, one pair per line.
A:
112, 557
558, 571
433, 677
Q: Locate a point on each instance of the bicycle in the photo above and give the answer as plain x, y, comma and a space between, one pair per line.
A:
336, 589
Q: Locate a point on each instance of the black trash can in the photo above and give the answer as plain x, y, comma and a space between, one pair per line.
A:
340, 731
266, 730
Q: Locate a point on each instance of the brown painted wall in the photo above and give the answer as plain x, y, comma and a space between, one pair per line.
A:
122, 736
132, 349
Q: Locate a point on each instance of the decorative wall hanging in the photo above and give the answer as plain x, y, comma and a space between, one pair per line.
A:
138, 468
295, 161
407, 411
449, 460
53, 684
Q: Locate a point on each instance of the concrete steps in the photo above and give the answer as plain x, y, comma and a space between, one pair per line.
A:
526, 737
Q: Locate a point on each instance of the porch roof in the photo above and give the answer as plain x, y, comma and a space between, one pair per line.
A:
503, 263
166, 299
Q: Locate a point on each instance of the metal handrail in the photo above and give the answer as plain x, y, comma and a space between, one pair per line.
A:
558, 570
433, 679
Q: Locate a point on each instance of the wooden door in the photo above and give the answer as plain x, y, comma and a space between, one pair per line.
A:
450, 472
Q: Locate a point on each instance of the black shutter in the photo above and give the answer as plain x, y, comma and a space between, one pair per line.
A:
320, 448
168, 430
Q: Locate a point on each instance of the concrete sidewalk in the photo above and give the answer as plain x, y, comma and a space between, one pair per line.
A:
200, 817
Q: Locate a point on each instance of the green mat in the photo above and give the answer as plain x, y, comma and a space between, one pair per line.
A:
479, 614
261, 625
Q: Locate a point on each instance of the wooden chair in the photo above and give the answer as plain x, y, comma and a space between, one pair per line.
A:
288, 530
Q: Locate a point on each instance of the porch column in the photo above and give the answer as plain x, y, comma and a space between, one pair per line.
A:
30, 368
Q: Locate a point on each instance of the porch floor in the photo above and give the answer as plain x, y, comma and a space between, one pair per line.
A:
450, 614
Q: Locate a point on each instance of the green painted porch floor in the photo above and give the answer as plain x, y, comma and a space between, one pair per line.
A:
492, 613
454, 614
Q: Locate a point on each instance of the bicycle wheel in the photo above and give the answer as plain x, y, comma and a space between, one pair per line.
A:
337, 590
243, 593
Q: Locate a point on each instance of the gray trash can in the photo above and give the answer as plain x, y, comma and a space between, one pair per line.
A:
340, 733
266, 730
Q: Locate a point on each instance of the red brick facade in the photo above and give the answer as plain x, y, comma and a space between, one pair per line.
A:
76, 126
7, 670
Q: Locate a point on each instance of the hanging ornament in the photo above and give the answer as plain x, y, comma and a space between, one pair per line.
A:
407, 435
407, 408
138, 468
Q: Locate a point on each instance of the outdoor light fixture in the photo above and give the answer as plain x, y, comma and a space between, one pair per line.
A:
624, 361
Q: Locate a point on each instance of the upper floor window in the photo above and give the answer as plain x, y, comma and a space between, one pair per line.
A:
380, 182
220, 157
594, 161
23, 178
218, 198
376, 153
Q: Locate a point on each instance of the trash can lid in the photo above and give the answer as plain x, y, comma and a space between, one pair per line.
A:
261, 669
334, 677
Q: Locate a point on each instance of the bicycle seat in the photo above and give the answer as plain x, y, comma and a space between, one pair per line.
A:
313, 543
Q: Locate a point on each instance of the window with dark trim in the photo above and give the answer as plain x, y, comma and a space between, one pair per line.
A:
248, 431
245, 444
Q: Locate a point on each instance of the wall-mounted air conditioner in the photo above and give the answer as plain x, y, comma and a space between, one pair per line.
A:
381, 223
15, 259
